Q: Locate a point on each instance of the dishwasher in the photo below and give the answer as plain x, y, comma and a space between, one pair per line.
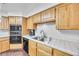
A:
25, 44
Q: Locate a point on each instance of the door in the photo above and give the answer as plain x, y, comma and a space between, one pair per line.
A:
32, 48
12, 20
74, 16
36, 18
29, 23
5, 45
62, 20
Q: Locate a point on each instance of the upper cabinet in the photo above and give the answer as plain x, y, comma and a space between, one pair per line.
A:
15, 20
30, 23
36, 18
67, 16
48, 15
62, 14
4, 24
74, 16
12, 19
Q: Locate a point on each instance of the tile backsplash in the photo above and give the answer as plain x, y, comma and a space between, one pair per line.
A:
51, 31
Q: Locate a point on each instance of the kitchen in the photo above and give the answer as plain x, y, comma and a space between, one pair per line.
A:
39, 29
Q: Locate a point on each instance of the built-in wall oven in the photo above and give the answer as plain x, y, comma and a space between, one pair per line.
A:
15, 34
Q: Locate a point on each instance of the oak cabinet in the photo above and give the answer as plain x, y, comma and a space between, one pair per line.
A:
48, 15
67, 16
24, 26
59, 53
43, 50
62, 14
32, 48
12, 20
15, 20
74, 16
5, 45
30, 23
18, 20
36, 18
0, 47
4, 24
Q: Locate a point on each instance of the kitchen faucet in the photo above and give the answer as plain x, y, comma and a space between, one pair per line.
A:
43, 35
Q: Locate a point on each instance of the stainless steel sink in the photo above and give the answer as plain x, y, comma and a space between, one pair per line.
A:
38, 38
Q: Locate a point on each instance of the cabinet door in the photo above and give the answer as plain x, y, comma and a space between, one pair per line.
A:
42, 53
29, 23
74, 16
12, 20
32, 48
0, 47
24, 26
52, 14
62, 21
36, 18
4, 24
59, 53
5, 45
19, 20
43, 16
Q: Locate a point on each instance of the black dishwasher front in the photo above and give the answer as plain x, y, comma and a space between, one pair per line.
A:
25, 44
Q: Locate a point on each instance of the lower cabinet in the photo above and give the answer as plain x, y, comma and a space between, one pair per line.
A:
59, 53
32, 48
39, 49
42, 53
43, 50
4, 44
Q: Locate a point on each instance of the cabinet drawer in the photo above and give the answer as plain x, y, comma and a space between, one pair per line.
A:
45, 48
60, 53
42, 53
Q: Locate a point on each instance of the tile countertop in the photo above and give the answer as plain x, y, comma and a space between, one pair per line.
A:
4, 33
62, 45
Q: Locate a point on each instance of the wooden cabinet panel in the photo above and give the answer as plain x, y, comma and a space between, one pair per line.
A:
74, 16
0, 47
12, 19
42, 53
30, 23
24, 26
32, 51
62, 21
67, 16
48, 15
44, 48
18, 20
4, 24
5, 45
15, 20
36, 18
59, 53
52, 14
32, 48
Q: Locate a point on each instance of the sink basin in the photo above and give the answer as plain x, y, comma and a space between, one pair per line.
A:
38, 38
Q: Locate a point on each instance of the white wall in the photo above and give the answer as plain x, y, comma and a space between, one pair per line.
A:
50, 29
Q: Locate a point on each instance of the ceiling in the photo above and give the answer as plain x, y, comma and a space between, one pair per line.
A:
23, 9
